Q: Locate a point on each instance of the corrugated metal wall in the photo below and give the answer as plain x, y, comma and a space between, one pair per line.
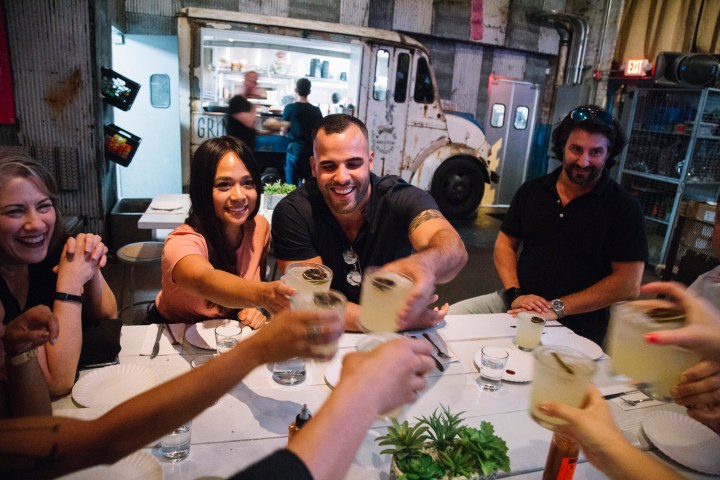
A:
54, 56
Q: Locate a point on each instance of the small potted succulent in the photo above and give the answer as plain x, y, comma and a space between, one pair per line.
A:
441, 447
274, 192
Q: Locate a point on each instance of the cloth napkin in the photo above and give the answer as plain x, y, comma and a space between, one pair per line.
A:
173, 333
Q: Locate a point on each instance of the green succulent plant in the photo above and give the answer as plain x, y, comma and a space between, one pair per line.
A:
443, 427
422, 467
278, 188
407, 440
440, 446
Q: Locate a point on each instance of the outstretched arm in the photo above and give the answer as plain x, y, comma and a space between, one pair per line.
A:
51, 446
603, 443
439, 256
327, 443
24, 389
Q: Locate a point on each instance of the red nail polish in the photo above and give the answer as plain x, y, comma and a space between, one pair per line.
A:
651, 338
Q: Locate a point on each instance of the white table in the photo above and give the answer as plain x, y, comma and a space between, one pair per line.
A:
251, 421
168, 220
163, 219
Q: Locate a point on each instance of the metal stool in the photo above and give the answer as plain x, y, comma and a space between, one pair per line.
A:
132, 255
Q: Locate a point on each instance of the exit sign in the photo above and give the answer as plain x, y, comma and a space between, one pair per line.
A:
636, 68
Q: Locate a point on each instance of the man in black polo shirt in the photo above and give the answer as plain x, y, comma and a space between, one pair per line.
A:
348, 219
582, 234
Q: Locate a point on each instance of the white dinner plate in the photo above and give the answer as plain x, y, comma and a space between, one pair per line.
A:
684, 439
334, 368
519, 367
110, 386
137, 466
166, 206
569, 339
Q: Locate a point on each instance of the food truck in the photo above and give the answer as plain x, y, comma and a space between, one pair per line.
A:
384, 78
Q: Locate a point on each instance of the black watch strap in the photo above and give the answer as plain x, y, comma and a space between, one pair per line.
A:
511, 294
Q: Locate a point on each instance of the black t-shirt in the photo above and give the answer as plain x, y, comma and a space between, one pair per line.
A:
304, 227
42, 282
302, 117
233, 127
568, 249
281, 465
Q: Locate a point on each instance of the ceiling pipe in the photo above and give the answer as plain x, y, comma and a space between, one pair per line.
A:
574, 27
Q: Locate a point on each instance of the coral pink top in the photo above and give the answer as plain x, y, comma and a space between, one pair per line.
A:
173, 302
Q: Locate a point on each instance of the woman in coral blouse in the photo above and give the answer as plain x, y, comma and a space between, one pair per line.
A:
215, 263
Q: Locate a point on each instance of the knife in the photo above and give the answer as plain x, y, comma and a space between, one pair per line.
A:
438, 343
156, 345
618, 394
434, 356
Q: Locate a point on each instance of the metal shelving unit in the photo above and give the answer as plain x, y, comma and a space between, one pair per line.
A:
673, 154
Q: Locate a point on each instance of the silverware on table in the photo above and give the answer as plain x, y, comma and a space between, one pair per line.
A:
618, 394
546, 325
434, 356
438, 343
156, 345
635, 402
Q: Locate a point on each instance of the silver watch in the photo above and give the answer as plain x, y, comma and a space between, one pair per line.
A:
558, 307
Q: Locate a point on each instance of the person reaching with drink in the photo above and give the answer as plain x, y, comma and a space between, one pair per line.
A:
46, 447
699, 386
37, 267
349, 219
602, 442
215, 262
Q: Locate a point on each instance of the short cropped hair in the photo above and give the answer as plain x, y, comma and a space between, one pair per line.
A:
338, 123
303, 87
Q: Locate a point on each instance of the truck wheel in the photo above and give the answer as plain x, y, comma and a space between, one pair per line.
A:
458, 186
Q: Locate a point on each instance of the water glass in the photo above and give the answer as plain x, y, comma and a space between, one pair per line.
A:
176, 444
289, 372
528, 331
656, 367
561, 374
492, 367
227, 336
382, 295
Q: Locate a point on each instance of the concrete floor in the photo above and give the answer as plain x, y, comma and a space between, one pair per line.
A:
478, 276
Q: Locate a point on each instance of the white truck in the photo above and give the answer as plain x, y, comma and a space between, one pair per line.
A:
384, 78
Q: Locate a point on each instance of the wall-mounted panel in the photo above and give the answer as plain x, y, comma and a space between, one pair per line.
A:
466, 77
413, 15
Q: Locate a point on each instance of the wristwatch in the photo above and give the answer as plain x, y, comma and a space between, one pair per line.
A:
558, 307
510, 295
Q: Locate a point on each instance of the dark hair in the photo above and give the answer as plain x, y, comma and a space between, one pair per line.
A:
15, 164
239, 104
202, 218
338, 123
303, 87
593, 122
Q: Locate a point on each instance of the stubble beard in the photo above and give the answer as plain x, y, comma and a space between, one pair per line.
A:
588, 177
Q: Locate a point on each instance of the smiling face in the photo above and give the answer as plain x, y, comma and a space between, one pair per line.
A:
342, 165
584, 157
27, 222
234, 194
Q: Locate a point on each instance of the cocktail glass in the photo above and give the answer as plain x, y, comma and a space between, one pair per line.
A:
561, 374
528, 331
320, 301
382, 295
656, 368
371, 342
306, 277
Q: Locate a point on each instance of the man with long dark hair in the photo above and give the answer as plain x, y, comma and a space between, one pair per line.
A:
582, 234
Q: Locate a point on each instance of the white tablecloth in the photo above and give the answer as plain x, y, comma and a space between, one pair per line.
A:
252, 420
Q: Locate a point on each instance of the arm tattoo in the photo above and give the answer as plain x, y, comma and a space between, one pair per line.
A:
423, 217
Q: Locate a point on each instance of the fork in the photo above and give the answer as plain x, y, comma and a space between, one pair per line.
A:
635, 402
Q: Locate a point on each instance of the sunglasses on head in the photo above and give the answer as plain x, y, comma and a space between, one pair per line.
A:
581, 114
